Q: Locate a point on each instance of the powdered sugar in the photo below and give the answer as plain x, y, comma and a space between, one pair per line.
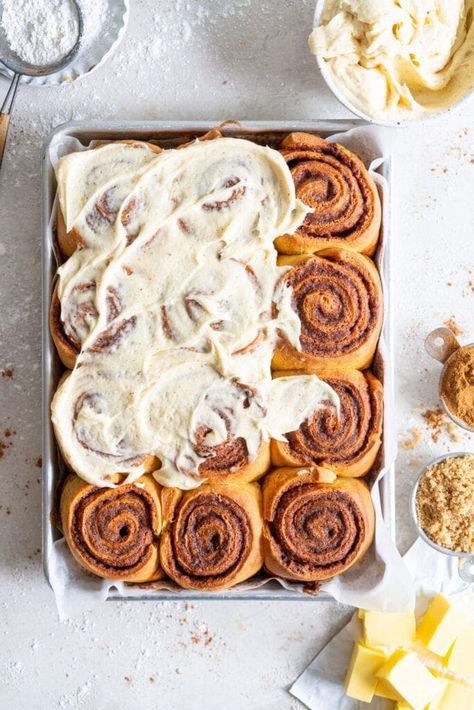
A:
43, 31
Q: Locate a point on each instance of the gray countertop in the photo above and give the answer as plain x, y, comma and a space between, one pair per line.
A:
197, 60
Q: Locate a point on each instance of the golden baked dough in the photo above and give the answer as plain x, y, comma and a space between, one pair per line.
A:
338, 297
212, 537
314, 529
347, 444
114, 532
345, 201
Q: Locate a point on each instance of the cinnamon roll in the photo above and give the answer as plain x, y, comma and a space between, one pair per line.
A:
337, 295
100, 453
230, 462
314, 530
68, 349
114, 532
335, 183
212, 536
346, 442
94, 193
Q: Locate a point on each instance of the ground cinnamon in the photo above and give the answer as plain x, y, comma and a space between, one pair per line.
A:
457, 386
445, 503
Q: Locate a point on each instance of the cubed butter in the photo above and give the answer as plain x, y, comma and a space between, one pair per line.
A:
441, 625
406, 675
360, 678
460, 658
454, 697
402, 705
382, 629
384, 690
435, 703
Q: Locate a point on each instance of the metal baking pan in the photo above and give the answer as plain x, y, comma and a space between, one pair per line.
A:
168, 134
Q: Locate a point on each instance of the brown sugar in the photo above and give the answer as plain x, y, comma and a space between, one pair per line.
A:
445, 503
457, 386
412, 442
453, 326
435, 420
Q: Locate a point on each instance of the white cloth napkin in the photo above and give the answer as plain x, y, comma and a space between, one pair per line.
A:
320, 685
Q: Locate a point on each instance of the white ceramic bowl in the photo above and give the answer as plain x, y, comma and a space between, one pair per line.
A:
342, 98
94, 56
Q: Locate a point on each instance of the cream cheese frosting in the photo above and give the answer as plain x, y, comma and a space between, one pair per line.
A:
175, 300
398, 60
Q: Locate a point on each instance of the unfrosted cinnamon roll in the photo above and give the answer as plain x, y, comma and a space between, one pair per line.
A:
348, 442
335, 183
313, 529
114, 532
337, 295
212, 536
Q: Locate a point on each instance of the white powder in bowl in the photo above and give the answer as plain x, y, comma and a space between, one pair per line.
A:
43, 31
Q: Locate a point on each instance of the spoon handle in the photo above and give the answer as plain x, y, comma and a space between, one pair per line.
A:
5, 112
441, 343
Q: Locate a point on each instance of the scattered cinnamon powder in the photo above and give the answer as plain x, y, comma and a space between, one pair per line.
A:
415, 437
445, 503
453, 326
8, 372
457, 386
435, 419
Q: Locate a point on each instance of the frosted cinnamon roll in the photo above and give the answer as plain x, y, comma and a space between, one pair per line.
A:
337, 295
113, 532
314, 529
91, 188
335, 183
346, 441
212, 537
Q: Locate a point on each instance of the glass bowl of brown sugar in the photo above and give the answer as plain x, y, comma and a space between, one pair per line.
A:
442, 508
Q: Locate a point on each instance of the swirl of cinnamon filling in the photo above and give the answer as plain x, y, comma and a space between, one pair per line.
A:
72, 320
338, 298
314, 530
212, 537
348, 443
335, 183
113, 532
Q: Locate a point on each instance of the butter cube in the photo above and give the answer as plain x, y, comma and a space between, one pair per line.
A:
384, 690
455, 697
440, 626
401, 705
382, 629
460, 658
407, 676
435, 704
360, 678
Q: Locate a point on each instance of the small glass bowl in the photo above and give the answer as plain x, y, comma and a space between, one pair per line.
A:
466, 559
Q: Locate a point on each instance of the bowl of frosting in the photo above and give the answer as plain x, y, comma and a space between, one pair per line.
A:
396, 61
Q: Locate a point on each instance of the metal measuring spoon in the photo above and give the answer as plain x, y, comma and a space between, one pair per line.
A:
466, 559
19, 68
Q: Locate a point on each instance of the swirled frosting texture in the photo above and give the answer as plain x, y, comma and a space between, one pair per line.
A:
398, 60
175, 299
